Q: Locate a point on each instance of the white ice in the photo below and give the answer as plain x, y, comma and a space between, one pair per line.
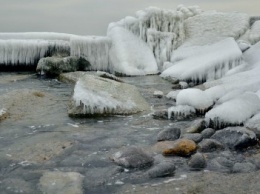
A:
180, 110
213, 63
129, 54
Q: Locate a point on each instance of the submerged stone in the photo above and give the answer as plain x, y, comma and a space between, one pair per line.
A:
132, 157
162, 170
210, 145
169, 134
197, 162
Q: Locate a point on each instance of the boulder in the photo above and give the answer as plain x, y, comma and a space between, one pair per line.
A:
197, 162
196, 137
96, 96
162, 170
181, 147
55, 65
132, 157
170, 134
210, 145
196, 127
244, 167
235, 137
61, 183
160, 114
220, 164
207, 133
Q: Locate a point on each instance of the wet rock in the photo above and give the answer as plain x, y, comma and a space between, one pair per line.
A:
160, 114
196, 137
15, 185
96, 96
162, 170
55, 65
3, 114
160, 146
132, 157
169, 134
184, 85
220, 164
108, 76
158, 94
207, 133
197, 126
235, 137
176, 86
181, 147
256, 160
61, 183
243, 167
197, 162
172, 80
210, 145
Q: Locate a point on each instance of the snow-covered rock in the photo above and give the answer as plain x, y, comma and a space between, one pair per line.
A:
57, 65
254, 124
3, 114
99, 96
253, 34
213, 63
234, 112
129, 54
173, 94
181, 112
158, 94
195, 98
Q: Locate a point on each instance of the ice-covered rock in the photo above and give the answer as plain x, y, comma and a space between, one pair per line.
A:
108, 76
253, 34
254, 124
94, 48
173, 94
235, 137
57, 65
213, 62
195, 98
129, 54
3, 114
99, 96
158, 94
181, 112
234, 112
132, 157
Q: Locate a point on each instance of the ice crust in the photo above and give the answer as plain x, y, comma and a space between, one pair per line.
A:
95, 49
180, 110
213, 62
129, 54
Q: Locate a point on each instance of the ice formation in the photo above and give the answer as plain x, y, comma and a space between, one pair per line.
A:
28, 52
95, 49
254, 122
195, 98
161, 29
129, 54
252, 35
173, 94
235, 111
211, 26
180, 111
211, 64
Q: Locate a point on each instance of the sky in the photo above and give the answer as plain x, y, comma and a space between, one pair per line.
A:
91, 17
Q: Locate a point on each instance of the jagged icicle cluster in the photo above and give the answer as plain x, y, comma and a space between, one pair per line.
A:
28, 52
94, 48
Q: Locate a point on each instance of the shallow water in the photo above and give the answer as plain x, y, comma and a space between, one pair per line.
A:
42, 138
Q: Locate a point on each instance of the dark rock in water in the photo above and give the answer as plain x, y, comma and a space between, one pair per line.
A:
176, 86
160, 114
196, 127
162, 170
207, 133
196, 137
108, 76
210, 145
55, 65
169, 134
181, 147
220, 164
197, 162
132, 157
235, 137
243, 167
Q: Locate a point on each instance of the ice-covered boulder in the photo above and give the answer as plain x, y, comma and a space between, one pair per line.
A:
253, 124
57, 65
129, 54
181, 112
213, 63
253, 34
234, 112
195, 98
99, 96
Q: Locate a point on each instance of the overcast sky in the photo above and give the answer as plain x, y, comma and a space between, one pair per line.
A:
91, 17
